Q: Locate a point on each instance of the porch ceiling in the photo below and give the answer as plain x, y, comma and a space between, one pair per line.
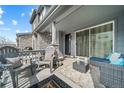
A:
88, 16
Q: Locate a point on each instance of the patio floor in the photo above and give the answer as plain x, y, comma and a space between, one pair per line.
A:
83, 80
64, 72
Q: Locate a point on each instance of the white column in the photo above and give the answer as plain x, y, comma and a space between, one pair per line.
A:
33, 41
53, 33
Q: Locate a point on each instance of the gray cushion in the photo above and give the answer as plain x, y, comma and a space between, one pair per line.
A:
16, 62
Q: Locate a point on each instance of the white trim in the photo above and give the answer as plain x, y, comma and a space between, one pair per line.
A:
89, 28
95, 26
89, 42
75, 45
51, 13
113, 36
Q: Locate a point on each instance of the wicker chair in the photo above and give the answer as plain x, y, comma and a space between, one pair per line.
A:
105, 74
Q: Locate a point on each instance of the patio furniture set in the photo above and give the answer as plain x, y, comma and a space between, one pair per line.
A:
17, 64
104, 74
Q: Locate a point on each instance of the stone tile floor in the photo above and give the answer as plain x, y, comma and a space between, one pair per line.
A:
84, 80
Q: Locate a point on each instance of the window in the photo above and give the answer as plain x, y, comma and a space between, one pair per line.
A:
44, 12
34, 26
36, 21
95, 41
41, 17
82, 43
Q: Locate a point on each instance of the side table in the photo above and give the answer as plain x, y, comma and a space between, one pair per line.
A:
81, 66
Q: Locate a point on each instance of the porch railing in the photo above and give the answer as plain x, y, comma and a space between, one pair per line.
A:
31, 54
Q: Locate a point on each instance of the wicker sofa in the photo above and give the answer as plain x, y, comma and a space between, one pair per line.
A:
105, 74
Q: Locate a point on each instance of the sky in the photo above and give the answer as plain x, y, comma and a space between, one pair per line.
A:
15, 19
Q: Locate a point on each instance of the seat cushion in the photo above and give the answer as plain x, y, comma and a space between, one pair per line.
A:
16, 62
42, 62
94, 59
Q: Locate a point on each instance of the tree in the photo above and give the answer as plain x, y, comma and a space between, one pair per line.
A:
4, 41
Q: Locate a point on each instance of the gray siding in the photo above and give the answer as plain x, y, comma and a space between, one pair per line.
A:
120, 34
60, 38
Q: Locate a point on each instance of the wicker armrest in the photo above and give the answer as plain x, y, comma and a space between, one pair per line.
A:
107, 74
112, 76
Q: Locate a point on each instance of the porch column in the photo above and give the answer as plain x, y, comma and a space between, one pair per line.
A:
34, 41
55, 43
53, 33
38, 40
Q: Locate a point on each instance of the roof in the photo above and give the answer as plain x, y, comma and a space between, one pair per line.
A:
22, 34
33, 16
38, 11
35, 12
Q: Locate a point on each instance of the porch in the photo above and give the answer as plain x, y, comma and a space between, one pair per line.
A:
85, 30
65, 72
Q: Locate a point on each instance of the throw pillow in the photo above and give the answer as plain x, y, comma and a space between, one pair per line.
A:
114, 57
16, 62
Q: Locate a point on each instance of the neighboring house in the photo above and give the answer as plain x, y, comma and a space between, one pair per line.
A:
40, 39
24, 40
87, 30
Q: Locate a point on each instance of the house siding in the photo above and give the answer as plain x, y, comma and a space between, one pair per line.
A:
120, 34
61, 40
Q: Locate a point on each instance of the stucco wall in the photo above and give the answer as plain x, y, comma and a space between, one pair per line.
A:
42, 40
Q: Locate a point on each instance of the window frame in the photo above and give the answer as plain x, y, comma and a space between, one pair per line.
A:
91, 27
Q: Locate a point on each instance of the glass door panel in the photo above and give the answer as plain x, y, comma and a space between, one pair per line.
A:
101, 40
82, 43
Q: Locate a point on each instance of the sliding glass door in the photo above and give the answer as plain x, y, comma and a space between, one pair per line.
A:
82, 43
101, 40
95, 41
